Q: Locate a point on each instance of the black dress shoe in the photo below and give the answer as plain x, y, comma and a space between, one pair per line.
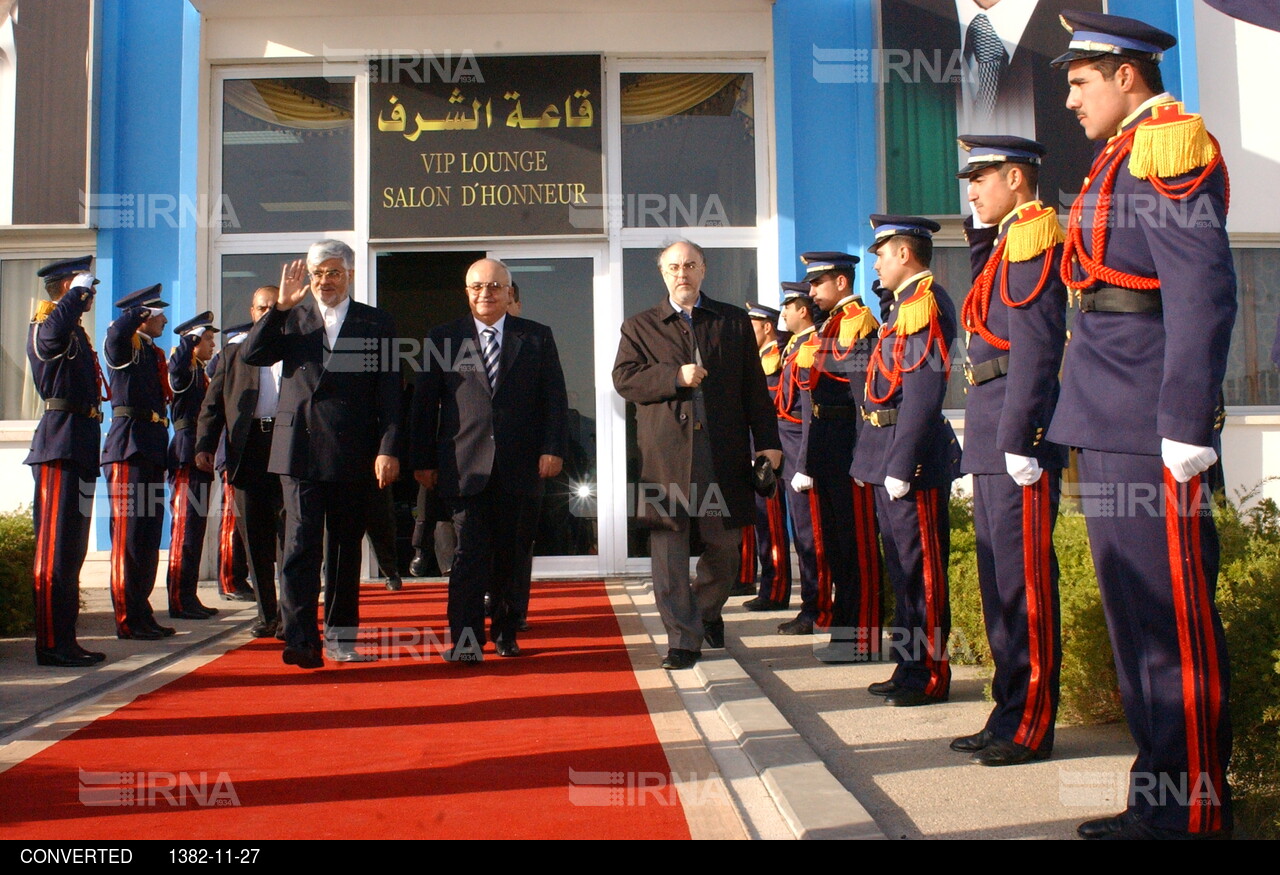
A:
418, 565
1008, 753
488, 605
912, 698
141, 633
64, 658
763, 604
238, 595
191, 614
394, 583
95, 655
265, 628
741, 588
522, 625
973, 743
678, 659
883, 688
303, 657
713, 632
346, 653
463, 657
507, 647
212, 612
798, 626
1101, 827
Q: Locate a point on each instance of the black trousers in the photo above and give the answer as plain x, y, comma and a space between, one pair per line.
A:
495, 534
324, 523
190, 490
136, 491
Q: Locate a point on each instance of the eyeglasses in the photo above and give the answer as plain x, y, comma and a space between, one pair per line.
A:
676, 267
477, 288
331, 274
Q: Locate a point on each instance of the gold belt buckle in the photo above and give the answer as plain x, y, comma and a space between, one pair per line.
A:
968, 373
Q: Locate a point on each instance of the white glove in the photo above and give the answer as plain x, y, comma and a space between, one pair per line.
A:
1185, 461
1024, 470
859, 482
84, 281
801, 482
896, 488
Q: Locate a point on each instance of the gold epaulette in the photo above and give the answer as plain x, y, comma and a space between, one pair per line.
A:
918, 311
43, 309
1034, 230
771, 362
1170, 143
806, 352
856, 323
137, 341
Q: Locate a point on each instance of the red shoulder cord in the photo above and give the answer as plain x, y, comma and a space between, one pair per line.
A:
1092, 265
828, 345
894, 374
785, 394
977, 304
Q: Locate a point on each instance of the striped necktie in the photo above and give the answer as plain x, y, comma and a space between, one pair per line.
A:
987, 49
491, 356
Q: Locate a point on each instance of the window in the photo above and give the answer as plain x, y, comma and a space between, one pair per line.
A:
21, 291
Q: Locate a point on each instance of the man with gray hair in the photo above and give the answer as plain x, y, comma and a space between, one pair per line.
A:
336, 428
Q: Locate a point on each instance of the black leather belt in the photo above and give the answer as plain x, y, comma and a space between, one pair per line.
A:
264, 424
141, 413
986, 371
834, 411
880, 418
90, 410
1110, 299
180, 424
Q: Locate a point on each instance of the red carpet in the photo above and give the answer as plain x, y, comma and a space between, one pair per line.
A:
249, 748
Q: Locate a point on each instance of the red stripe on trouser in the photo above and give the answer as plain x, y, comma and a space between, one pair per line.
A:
1197, 651
823, 620
934, 596
50, 479
777, 536
1036, 544
179, 505
747, 563
118, 480
867, 543
226, 540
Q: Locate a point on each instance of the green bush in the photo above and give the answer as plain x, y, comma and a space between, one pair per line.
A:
17, 558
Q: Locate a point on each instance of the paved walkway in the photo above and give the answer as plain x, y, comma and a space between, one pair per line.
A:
798, 746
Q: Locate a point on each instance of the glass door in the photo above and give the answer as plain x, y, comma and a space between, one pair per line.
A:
558, 286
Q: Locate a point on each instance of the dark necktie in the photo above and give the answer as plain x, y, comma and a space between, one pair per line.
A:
985, 47
491, 355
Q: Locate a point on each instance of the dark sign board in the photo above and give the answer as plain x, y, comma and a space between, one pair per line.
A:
467, 146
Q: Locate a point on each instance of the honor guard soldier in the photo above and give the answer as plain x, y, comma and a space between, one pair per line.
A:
908, 450
1015, 320
64, 456
135, 454
1148, 260
233, 563
849, 595
768, 541
798, 312
189, 487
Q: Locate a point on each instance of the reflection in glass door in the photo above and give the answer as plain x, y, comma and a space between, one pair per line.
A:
559, 292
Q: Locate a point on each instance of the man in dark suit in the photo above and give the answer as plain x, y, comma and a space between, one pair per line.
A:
336, 427
242, 401
489, 424
975, 66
